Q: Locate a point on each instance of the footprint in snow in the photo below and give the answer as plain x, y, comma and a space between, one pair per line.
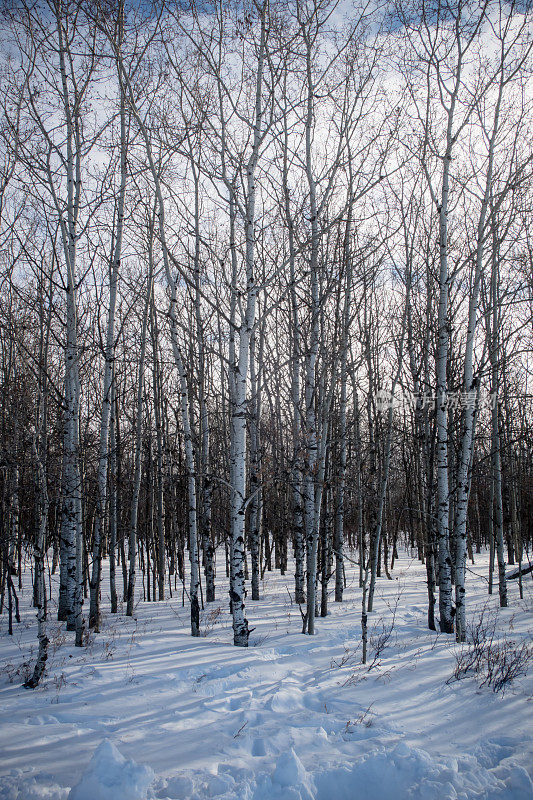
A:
259, 747
239, 701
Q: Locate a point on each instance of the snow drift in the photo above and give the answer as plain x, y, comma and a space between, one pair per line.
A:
110, 776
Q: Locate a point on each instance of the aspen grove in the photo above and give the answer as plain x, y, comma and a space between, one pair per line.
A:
266, 307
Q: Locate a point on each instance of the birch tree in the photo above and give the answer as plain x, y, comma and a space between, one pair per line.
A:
511, 60
114, 267
440, 42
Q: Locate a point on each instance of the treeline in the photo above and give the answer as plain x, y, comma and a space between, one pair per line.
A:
266, 289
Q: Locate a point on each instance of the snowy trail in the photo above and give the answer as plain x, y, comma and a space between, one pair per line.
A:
285, 718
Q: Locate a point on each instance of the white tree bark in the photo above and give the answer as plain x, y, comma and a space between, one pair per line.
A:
239, 367
296, 366
311, 457
178, 358
255, 490
343, 377
493, 322
109, 355
471, 390
132, 540
70, 602
113, 500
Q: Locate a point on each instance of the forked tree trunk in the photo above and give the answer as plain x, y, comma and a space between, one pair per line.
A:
471, 392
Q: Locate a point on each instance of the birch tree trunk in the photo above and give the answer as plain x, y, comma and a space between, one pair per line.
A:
340, 510
311, 458
493, 322
109, 355
39, 577
448, 38
204, 482
185, 412
113, 500
239, 368
39, 449
132, 541
158, 409
443, 334
70, 603
296, 365
470, 389
256, 504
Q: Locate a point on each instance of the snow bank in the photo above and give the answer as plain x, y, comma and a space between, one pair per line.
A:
400, 773
407, 773
110, 776
18, 786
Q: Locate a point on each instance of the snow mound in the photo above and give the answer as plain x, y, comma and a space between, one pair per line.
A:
110, 776
407, 773
19, 786
398, 773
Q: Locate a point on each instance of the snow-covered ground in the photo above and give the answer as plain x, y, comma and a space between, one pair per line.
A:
147, 711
